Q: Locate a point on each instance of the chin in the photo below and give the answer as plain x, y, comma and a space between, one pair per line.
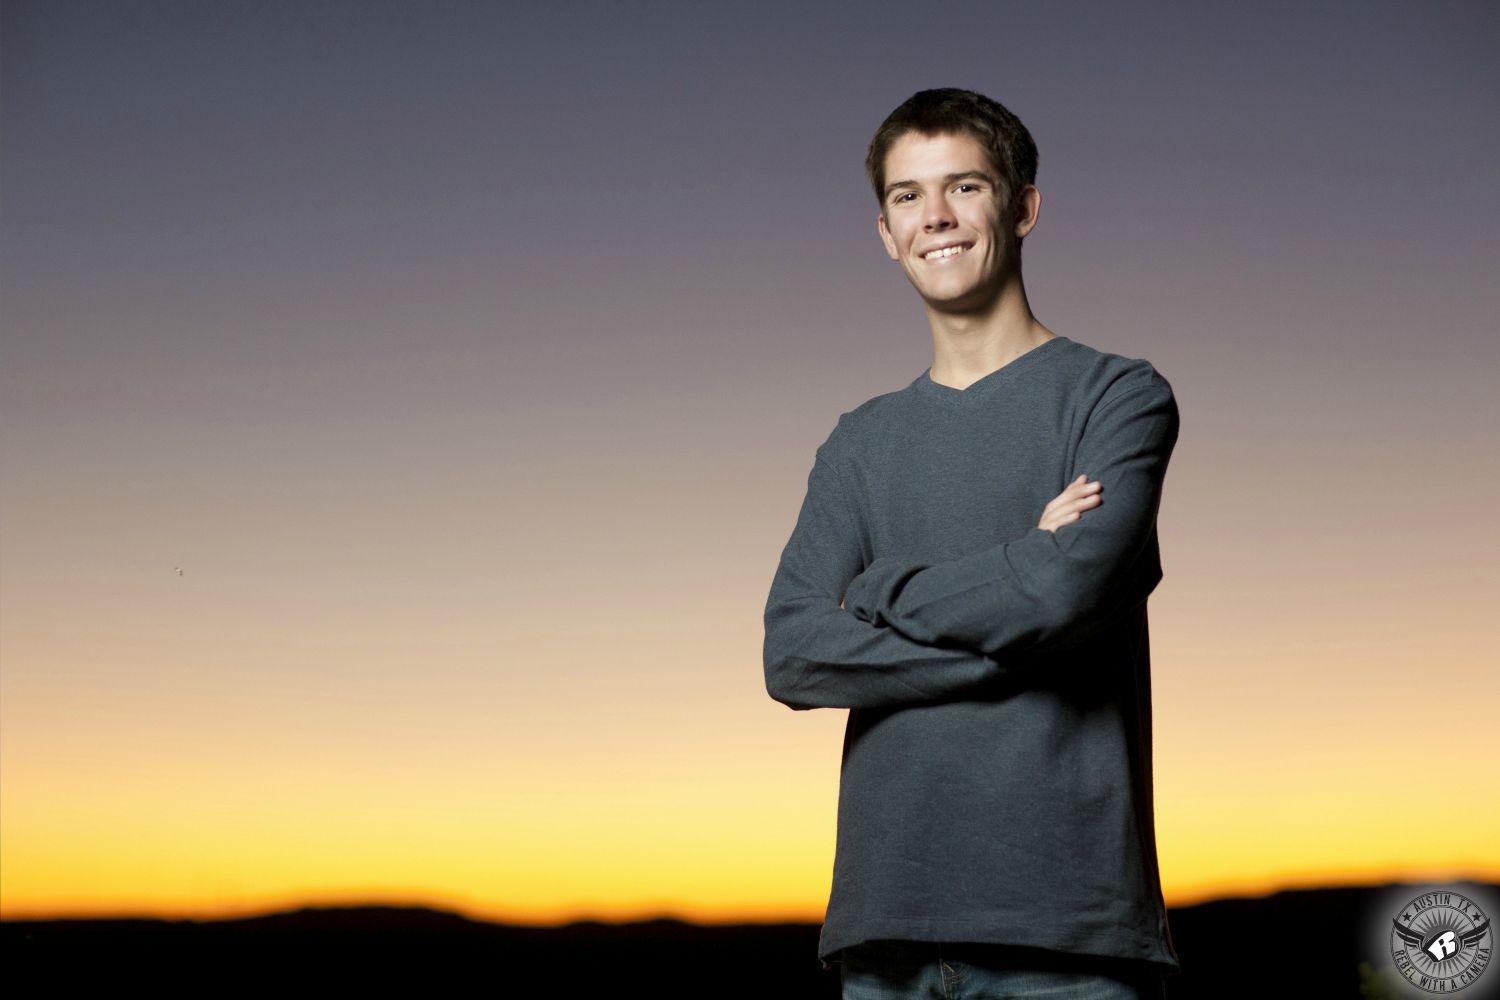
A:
972, 301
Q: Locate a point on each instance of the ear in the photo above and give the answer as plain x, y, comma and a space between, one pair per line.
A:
886, 238
1028, 208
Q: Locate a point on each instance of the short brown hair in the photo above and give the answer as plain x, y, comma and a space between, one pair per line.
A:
960, 112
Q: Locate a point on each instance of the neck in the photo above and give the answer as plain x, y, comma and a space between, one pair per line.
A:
966, 346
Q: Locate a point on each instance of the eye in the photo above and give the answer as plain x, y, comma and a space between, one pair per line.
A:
903, 196
966, 184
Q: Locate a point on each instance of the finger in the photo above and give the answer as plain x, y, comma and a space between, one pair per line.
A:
1067, 513
1080, 503
1074, 491
1070, 502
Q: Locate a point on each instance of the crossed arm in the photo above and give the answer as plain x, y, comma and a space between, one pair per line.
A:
912, 631
1047, 589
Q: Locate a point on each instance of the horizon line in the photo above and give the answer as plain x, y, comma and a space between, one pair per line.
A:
477, 914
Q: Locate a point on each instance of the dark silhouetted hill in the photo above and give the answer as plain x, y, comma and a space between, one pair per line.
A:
1290, 944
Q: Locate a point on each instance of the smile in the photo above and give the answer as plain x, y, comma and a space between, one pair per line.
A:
944, 252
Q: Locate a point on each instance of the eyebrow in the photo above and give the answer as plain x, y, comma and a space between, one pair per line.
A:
961, 175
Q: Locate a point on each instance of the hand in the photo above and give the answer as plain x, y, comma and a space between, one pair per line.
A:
1069, 505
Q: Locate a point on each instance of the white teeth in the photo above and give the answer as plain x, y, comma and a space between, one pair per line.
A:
947, 252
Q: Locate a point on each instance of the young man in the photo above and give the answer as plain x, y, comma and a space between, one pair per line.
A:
991, 533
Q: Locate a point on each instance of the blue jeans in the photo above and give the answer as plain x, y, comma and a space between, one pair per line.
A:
907, 970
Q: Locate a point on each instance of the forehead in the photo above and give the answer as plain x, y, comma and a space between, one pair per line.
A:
916, 156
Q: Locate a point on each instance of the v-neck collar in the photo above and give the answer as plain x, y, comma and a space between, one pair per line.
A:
988, 383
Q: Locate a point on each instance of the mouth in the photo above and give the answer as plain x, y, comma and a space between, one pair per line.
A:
946, 252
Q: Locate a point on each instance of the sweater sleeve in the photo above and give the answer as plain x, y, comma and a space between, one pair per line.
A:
1046, 589
819, 655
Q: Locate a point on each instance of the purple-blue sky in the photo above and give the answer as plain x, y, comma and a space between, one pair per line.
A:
469, 360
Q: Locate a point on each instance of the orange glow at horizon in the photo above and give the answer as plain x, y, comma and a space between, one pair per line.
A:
712, 804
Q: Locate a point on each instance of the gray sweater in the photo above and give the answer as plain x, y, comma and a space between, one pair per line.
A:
996, 776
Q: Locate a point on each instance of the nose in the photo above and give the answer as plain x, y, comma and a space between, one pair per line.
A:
937, 216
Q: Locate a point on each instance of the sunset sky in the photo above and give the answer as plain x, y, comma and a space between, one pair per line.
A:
405, 407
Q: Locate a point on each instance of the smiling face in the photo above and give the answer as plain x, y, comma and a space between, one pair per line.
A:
944, 219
